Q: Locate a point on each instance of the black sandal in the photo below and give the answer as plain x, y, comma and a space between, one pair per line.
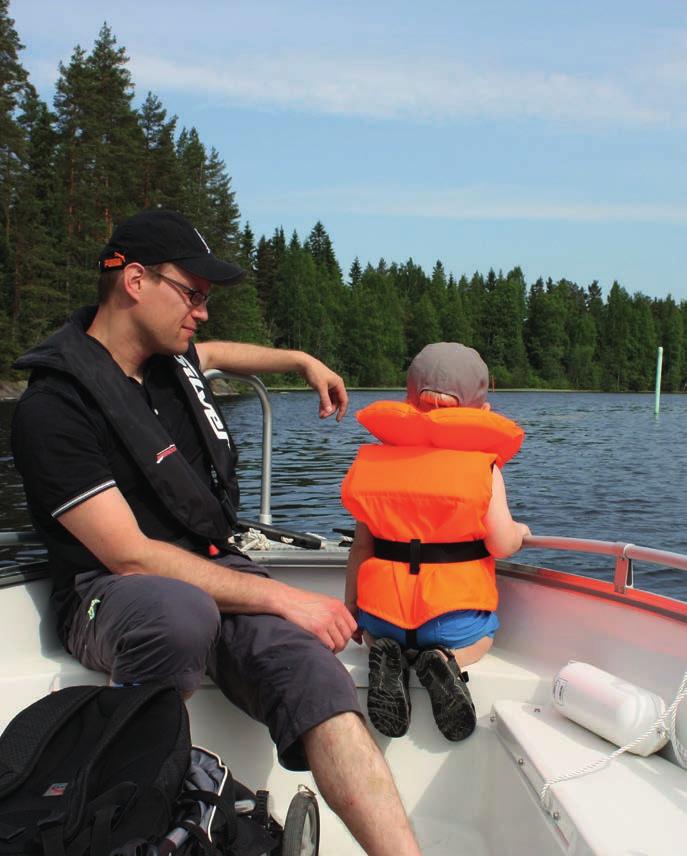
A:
452, 705
388, 698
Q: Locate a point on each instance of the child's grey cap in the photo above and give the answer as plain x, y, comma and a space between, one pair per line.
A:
451, 368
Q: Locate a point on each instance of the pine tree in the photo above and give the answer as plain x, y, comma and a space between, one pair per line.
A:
160, 175
545, 334
641, 344
39, 303
242, 318
356, 273
671, 337
329, 297
193, 197
374, 347
615, 336
13, 82
99, 156
456, 325
423, 323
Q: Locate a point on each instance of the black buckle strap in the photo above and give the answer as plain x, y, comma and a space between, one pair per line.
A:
416, 553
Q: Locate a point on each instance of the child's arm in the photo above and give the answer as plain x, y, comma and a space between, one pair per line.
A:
504, 535
361, 548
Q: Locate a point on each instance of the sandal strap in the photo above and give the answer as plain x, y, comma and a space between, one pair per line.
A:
453, 664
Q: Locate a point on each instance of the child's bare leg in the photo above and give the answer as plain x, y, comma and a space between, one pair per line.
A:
368, 639
472, 653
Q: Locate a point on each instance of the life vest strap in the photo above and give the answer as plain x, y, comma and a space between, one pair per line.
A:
416, 552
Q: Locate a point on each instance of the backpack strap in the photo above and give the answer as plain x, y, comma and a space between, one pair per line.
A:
51, 830
225, 804
101, 837
132, 700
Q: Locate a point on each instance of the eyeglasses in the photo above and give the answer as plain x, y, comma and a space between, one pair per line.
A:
195, 297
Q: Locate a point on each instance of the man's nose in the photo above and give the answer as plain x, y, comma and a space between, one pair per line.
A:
200, 313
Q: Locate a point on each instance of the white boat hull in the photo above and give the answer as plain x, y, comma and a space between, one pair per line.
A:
479, 796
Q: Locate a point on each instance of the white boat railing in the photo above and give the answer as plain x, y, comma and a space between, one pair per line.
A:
625, 554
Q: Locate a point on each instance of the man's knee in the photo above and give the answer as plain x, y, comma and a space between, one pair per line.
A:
186, 620
172, 640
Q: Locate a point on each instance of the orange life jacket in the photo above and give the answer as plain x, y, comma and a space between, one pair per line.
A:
429, 481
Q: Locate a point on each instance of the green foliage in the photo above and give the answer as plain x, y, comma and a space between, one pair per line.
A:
68, 175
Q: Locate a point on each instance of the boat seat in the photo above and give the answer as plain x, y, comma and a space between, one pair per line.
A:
630, 805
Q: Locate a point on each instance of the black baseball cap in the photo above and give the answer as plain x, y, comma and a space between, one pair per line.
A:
156, 236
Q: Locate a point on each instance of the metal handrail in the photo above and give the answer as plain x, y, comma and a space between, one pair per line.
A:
265, 515
625, 554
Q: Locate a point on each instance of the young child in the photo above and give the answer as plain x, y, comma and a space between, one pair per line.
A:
432, 516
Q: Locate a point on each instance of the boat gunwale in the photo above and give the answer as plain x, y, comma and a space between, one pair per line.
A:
289, 559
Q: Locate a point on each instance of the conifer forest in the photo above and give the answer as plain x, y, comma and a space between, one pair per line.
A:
71, 170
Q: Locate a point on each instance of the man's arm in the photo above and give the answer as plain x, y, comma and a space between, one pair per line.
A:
255, 359
107, 527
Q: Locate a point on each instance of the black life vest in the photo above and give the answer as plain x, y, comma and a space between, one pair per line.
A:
208, 513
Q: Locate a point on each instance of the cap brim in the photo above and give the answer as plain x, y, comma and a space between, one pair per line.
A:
213, 269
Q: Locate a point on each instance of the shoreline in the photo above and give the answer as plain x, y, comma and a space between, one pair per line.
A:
11, 390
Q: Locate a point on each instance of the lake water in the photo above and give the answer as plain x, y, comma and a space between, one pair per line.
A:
593, 465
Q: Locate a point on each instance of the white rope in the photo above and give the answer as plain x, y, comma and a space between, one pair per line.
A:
667, 722
679, 748
254, 539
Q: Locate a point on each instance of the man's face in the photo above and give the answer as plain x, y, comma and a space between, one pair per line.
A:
172, 316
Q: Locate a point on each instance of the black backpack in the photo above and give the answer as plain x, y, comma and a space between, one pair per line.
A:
110, 771
87, 769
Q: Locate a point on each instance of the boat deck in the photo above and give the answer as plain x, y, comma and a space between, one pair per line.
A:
479, 796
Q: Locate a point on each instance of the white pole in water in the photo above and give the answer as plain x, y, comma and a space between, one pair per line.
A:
659, 365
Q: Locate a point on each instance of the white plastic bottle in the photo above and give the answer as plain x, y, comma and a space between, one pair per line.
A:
609, 706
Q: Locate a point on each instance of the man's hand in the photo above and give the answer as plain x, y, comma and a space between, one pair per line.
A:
357, 635
323, 616
329, 386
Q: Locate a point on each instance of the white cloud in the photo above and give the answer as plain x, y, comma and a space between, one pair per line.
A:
413, 88
473, 203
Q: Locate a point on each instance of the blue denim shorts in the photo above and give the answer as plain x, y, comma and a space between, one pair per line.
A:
451, 630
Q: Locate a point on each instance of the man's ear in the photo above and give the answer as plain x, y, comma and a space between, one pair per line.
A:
133, 280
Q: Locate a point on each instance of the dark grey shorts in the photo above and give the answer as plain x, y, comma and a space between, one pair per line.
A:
141, 629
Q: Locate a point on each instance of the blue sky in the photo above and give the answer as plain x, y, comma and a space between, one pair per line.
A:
492, 134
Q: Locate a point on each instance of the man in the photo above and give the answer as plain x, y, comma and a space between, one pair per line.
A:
128, 472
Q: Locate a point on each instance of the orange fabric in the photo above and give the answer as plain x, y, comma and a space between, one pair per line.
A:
433, 483
466, 429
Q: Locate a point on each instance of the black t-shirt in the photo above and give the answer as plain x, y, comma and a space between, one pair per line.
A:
67, 452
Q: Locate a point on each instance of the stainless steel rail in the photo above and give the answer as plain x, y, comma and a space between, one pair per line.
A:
624, 554
265, 515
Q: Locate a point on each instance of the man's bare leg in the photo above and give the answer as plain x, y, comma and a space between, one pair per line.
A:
356, 783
